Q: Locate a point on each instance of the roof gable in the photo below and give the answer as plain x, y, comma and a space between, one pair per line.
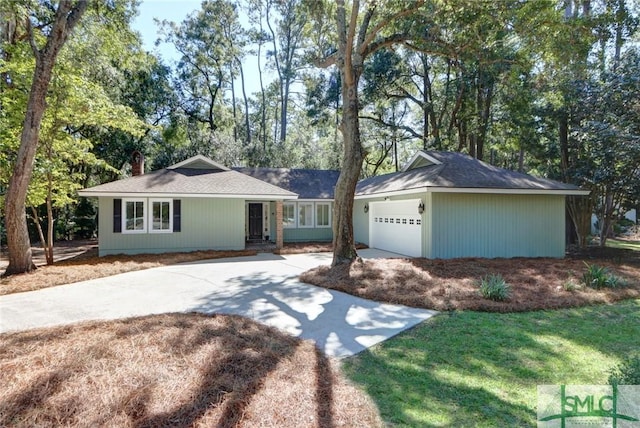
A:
199, 162
419, 160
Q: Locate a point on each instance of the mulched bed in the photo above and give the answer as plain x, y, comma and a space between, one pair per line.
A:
174, 370
446, 285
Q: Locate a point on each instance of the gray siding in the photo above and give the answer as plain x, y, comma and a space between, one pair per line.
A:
484, 225
313, 234
207, 224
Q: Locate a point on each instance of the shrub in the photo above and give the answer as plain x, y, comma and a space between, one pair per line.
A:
570, 285
494, 287
627, 372
600, 277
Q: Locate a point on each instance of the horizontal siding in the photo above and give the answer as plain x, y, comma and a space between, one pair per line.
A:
311, 234
471, 225
207, 224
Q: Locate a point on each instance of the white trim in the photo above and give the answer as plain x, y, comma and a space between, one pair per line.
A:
311, 224
124, 229
90, 194
508, 191
328, 204
423, 155
160, 200
567, 192
392, 193
199, 158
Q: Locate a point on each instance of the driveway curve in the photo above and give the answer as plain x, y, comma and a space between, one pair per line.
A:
263, 287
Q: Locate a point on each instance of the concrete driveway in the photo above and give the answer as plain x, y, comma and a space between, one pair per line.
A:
262, 287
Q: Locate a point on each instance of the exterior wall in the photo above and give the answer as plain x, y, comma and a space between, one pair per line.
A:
207, 224
306, 234
485, 225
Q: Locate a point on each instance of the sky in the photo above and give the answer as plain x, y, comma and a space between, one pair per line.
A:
172, 10
176, 11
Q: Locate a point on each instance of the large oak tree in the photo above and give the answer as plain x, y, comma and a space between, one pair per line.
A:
361, 31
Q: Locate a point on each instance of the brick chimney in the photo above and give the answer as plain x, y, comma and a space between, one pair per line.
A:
137, 163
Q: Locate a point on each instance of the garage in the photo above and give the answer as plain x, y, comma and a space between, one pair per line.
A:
396, 226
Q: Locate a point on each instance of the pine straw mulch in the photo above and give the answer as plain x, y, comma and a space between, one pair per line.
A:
174, 370
88, 266
446, 285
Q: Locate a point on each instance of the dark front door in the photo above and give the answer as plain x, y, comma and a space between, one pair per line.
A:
255, 221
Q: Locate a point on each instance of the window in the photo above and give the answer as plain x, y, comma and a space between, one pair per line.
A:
161, 216
289, 215
323, 214
133, 220
305, 214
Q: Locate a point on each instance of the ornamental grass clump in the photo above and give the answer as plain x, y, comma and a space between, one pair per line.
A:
494, 287
600, 277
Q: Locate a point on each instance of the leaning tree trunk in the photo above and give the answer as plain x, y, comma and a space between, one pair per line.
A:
20, 257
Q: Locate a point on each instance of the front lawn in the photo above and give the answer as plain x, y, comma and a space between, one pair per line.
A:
627, 244
482, 369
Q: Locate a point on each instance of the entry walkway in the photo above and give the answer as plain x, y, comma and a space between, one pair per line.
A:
263, 287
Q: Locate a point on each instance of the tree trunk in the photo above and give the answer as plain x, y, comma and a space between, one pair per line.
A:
247, 123
344, 250
20, 257
48, 249
580, 209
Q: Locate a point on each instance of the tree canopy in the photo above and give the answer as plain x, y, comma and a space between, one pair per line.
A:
545, 87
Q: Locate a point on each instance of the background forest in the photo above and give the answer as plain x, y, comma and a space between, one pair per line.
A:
547, 87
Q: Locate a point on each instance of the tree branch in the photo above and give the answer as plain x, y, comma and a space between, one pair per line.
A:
365, 46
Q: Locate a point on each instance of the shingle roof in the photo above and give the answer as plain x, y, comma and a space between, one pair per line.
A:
307, 183
190, 181
457, 170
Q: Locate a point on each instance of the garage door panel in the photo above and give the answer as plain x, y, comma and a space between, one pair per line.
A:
396, 226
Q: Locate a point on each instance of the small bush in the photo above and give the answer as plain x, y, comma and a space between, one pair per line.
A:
571, 285
600, 277
627, 372
494, 287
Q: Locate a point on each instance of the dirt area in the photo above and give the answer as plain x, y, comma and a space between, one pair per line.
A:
174, 370
447, 285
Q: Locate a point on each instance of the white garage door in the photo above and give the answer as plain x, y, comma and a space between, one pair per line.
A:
396, 226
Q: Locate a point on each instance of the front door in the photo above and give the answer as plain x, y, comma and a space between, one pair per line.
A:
255, 221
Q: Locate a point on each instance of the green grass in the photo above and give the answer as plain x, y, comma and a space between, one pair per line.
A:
482, 369
627, 245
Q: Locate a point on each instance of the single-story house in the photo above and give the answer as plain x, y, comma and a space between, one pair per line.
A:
441, 205
199, 204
